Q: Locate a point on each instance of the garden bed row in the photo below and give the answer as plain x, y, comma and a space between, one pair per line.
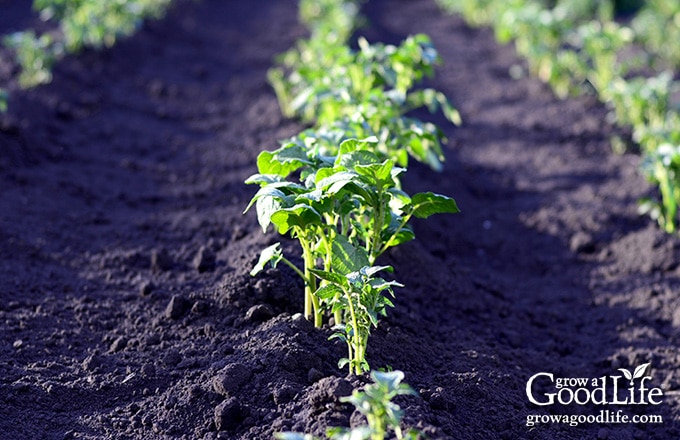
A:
632, 68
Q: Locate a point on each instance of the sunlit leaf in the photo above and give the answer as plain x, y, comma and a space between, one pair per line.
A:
428, 203
271, 254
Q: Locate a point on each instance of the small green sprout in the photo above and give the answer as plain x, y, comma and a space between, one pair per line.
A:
360, 296
383, 416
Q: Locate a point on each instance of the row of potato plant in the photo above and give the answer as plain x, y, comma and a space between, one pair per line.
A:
657, 27
80, 23
578, 46
336, 186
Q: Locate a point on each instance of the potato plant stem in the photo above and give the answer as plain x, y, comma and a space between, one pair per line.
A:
377, 228
357, 357
378, 425
328, 262
295, 269
312, 308
667, 195
388, 243
311, 302
337, 315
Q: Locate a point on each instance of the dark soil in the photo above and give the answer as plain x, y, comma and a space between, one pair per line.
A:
126, 308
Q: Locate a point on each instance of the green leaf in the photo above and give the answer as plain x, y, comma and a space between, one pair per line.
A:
379, 284
268, 200
4, 96
265, 207
397, 236
271, 254
369, 271
428, 203
373, 317
356, 144
263, 179
330, 276
283, 161
301, 216
358, 433
355, 279
352, 159
302, 99
269, 191
323, 173
327, 292
449, 110
335, 182
348, 180
388, 379
380, 172
288, 187
399, 197
422, 149
346, 257
342, 363
404, 235
310, 196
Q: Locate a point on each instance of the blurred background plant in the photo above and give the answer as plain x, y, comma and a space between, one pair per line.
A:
80, 24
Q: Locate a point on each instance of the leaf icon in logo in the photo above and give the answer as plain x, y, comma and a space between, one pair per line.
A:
626, 374
640, 371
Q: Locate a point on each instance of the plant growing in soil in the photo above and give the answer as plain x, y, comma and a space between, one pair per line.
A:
655, 26
332, 21
82, 23
383, 416
345, 211
572, 44
360, 297
36, 55
663, 168
366, 93
97, 24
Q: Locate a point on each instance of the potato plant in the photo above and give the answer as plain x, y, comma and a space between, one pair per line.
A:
657, 25
345, 211
383, 416
365, 93
330, 20
359, 295
36, 55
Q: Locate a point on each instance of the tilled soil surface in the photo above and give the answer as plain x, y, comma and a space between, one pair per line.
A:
126, 308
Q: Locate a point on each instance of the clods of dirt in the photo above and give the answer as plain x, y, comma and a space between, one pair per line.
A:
126, 305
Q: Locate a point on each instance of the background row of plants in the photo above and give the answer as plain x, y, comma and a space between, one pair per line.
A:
336, 187
77, 24
626, 52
